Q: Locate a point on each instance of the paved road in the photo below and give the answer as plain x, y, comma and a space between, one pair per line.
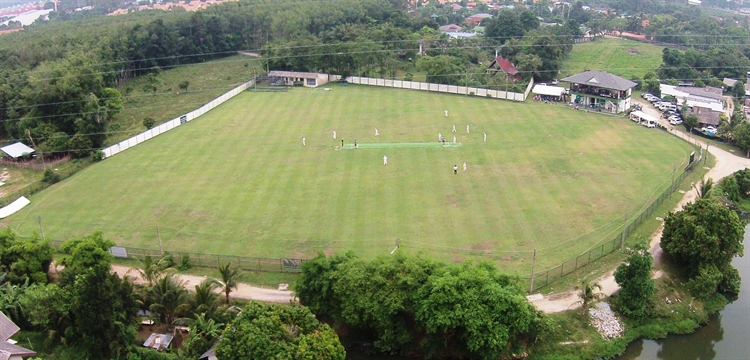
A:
726, 164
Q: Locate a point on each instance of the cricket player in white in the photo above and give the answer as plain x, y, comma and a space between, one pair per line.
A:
464, 166
454, 139
440, 136
385, 160
334, 135
446, 113
376, 132
485, 136
467, 129
303, 141
454, 128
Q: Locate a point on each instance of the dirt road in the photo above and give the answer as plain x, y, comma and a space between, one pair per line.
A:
726, 164
244, 291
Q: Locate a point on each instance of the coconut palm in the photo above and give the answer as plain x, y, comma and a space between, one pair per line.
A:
170, 299
706, 186
589, 293
229, 278
151, 270
205, 300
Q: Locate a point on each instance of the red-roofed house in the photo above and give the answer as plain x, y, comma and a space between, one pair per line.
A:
475, 19
502, 64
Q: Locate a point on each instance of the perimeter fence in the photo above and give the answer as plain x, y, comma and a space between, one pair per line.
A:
277, 265
549, 276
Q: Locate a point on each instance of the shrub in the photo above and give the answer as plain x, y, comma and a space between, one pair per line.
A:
184, 263
50, 176
167, 260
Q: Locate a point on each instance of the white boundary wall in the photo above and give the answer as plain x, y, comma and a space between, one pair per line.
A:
171, 124
451, 89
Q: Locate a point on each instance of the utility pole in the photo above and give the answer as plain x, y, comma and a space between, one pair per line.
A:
41, 229
40, 150
533, 263
624, 230
159, 236
671, 189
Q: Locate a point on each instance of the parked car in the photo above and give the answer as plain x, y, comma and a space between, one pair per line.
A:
646, 95
675, 121
654, 100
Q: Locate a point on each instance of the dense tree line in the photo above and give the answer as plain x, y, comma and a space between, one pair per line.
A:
406, 303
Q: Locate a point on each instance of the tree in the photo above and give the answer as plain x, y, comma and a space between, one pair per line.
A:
229, 277
442, 69
636, 285
24, 260
703, 238
449, 305
203, 334
589, 293
706, 186
47, 308
102, 307
151, 270
170, 299
264, 331
691, 121
149, 122
184, 85
205, 300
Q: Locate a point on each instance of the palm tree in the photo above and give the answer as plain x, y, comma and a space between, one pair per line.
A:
588, 294
170, 299
205, 300
229, 278
203, 333
151, 270
706, 186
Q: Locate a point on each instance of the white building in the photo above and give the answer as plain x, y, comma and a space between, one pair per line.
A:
307, 79
705, 97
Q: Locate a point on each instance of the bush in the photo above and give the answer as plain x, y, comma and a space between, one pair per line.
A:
97, 155
184, 263
149, 122
167, 260
142, 353
50, 176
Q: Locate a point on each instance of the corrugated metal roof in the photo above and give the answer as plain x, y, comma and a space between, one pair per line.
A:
11, 350
7, 328
305, 75
17, 150
601, 79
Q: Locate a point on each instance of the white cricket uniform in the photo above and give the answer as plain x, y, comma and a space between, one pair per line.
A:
385, 160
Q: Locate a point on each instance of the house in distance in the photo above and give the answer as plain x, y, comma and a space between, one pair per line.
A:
600, 91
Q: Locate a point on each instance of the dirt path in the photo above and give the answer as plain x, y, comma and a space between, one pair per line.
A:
726, 164
244, 291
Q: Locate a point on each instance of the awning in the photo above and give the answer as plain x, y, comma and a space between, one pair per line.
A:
548, 90
642, 115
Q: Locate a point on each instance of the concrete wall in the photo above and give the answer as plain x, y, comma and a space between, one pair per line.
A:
450, 89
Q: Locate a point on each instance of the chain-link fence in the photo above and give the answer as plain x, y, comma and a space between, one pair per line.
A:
546, 277
207, 260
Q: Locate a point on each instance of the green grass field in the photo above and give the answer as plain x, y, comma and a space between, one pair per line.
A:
626, 58
238, 181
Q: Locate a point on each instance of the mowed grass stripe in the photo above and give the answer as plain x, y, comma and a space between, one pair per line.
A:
237, 181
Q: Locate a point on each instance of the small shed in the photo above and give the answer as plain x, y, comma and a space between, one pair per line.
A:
307, 79
158, 341
14, 151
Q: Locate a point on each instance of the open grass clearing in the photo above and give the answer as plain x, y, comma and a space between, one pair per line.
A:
208, 81
622, 57
238, 181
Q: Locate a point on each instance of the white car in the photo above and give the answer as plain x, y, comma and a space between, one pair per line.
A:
675, 121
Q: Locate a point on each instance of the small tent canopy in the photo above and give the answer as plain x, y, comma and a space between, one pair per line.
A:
17, 150
641, 116
548, 90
